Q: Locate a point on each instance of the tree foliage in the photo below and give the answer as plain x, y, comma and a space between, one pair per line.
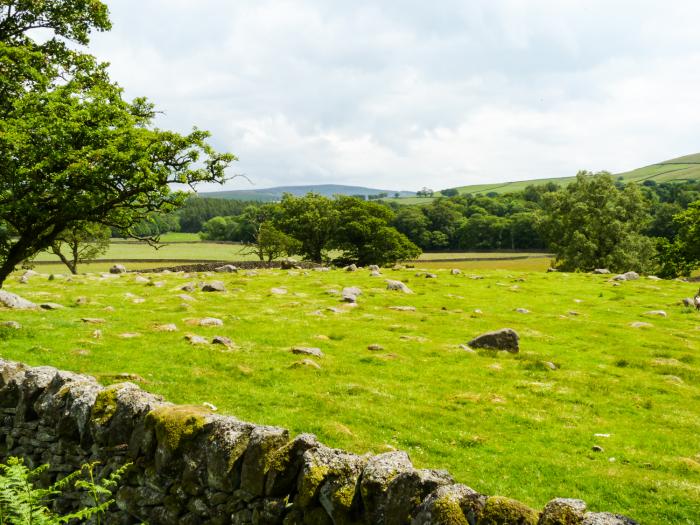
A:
681, 255
80, 242
594, 224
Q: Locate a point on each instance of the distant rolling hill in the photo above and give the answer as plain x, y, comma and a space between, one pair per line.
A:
679, 169
275, 194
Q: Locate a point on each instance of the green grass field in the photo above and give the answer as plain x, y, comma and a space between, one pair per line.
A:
501, 423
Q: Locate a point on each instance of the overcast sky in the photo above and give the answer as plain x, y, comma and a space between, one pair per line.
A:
400, 94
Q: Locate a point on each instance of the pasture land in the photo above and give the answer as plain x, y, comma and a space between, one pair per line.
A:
520, 425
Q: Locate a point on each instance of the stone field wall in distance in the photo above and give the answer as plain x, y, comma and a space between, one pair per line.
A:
192, 466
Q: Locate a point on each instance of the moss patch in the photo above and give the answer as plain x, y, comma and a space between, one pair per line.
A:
506, 511
446, 511
176, 425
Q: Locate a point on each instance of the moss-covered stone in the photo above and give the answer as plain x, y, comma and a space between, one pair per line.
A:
447, 511
105, 406
506, 511
313, 477
175, 425
563, 511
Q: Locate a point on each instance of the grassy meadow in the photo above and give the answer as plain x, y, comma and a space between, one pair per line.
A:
501, 423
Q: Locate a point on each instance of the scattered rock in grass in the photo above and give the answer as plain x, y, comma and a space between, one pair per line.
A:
306, 363
573, 313
416, 338
640, 324
210, 321
196, 339
504, 339
214, 286
334, 310
397, 286
186, 297
477, 311
14, 301
168, 327
654, 278
157, 284
349, 295
597, 448
129, 335
455, 271
221, 340
278, 291
141, 279
467, 349
303, 350
430, 276
656, 313
11, 324
522, 310
601, 271
578, 301
108, 308
97, 334
563, 511
188, 287
117, 268
125, 376
673, 379
373, 268
210, 406
398, 267
689, 301
375, 348
226, 268
322, 337
24, 279
82, 300
601, 435
403, 308
30, 273
375, 273
552, 270
93, 320
627, 276
289, 264
549, 365
51, 306
322, 269
351, 268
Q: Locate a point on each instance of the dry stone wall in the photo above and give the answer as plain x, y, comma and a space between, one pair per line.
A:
191, 466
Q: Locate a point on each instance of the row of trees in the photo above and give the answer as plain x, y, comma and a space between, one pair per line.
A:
597, 221
312, 226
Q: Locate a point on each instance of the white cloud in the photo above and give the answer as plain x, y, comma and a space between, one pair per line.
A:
403, 93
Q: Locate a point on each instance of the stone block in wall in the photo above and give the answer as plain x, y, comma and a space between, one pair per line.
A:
378, 473
408, 490
505, 511
563, 511
450, 505
264, 441
224, 451
285, 465
331, 478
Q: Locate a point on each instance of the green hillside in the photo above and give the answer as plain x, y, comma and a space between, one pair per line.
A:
275, 194
679, 169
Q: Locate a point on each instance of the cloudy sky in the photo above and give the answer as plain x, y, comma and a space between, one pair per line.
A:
400, 94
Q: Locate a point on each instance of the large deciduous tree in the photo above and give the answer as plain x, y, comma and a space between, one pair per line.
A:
72, 150
682, 255
594, 224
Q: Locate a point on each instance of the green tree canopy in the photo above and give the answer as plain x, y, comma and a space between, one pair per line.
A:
72, 150
594, 224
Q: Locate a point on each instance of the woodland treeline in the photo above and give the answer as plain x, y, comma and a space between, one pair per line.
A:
594, 222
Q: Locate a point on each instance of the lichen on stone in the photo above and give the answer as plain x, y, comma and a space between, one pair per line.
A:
105, 406
174, 425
